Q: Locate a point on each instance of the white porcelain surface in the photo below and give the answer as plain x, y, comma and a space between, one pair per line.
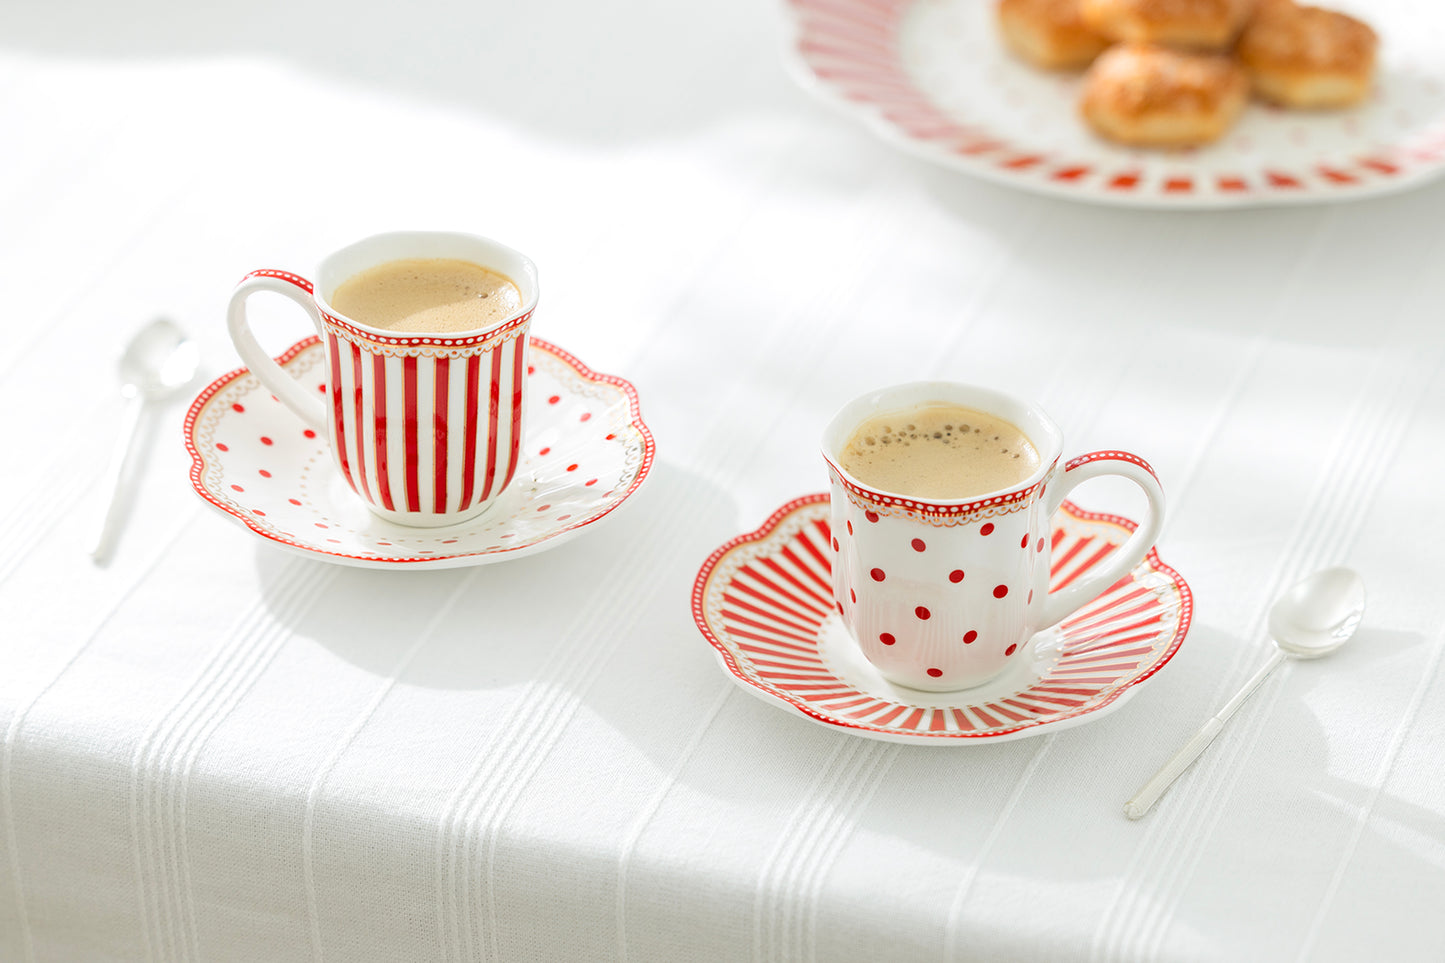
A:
585, 452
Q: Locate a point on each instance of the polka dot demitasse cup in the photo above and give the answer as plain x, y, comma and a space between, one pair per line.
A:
946, 593
426, 428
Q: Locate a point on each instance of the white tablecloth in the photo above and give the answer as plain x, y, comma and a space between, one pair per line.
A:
214, 750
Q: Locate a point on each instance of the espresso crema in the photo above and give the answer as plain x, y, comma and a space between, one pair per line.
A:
939, 450
428, 296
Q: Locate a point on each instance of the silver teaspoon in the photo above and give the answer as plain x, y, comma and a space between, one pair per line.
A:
1312, 619
159, 359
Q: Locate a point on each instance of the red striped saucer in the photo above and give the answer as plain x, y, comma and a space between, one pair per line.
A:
585, 451
933, 77
765, 602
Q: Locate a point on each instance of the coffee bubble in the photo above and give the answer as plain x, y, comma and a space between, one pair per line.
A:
925, 458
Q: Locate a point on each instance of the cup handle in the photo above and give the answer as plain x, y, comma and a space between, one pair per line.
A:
286, 388
1064, 602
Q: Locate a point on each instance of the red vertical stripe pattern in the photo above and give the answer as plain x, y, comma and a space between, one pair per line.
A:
358, 423
439, 434
493, 418
469, 447
409, 423
338, 410
379, 407
410, 431
518, 347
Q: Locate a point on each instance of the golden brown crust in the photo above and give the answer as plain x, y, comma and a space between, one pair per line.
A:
1150, 95
1049, 33
1287, 37
1205, 24
1308, 57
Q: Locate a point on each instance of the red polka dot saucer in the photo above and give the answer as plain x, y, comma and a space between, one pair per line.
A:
765, 602
585, 451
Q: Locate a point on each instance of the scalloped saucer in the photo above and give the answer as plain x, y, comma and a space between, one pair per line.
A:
765, 602
586, 450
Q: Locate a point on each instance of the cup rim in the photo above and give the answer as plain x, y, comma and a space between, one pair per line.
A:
1028, 417
377, 249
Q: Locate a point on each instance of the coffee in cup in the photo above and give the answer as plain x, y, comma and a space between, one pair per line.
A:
437, 295
939, 450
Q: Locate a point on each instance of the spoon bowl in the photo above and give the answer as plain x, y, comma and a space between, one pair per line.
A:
158, 360
1319, 614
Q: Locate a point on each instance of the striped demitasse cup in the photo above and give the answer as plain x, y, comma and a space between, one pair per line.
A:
425, 427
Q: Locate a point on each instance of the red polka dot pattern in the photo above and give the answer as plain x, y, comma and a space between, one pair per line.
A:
261, 446
956, 576
940, 644
871, 516
877, 575
919, 545
1025, 542
986, 529
999, 591
923, 614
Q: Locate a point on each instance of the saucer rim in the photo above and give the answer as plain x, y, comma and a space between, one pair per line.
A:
829, 65
199, 464
1074, 717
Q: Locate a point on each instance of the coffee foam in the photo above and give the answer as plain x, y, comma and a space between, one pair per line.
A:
427, 295
939, 451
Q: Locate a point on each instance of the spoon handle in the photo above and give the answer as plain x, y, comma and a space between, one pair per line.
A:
1147, 796
110, 484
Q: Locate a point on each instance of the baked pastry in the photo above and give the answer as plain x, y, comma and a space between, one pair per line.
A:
1049, 33
1307, 56
1202, 24
1151, 96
